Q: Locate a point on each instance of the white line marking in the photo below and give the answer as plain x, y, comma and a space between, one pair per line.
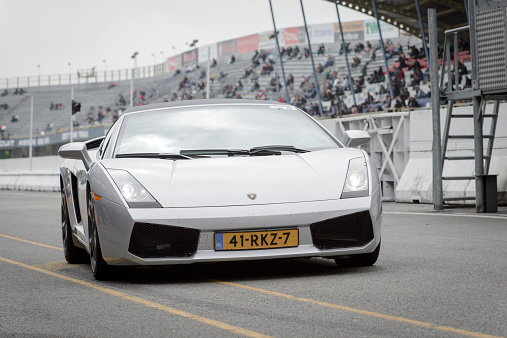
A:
440, 214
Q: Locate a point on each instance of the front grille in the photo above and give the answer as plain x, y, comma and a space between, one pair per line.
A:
162, 241
347, 231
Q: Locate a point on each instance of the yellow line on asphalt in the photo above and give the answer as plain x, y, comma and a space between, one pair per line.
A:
35, 243
141, 301
274, 293
57, 265
364, 312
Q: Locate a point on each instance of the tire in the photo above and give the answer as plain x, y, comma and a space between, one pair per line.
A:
72, 253
366, 259
100, 269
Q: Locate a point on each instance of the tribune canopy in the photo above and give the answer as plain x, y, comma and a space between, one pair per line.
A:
403, 13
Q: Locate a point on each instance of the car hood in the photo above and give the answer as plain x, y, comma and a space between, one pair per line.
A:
232, 181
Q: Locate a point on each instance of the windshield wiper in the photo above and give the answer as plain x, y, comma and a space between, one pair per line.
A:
255, 151
164, 156
228, 152
275, 149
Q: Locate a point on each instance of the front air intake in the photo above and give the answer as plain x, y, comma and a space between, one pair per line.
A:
354, 230
162, 241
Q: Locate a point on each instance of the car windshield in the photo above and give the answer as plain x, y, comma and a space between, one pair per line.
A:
233, 127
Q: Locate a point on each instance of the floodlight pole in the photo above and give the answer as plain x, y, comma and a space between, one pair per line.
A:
423, 35
279, 54
71, 115
71, 135
346, 54
132, 79
31, 131
311, 56
208, 74
388, 76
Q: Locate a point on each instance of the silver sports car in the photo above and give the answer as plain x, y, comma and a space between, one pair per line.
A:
218, 180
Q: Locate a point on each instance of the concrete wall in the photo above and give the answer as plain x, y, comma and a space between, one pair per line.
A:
416, 176
15, 173
416, 181
411, 156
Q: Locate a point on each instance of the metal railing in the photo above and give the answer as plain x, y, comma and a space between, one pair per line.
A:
451, 37
80, 77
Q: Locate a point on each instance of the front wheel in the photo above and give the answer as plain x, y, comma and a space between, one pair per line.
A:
366, 259
100, 269
72, 253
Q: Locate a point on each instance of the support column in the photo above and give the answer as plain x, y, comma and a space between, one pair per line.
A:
438, 200
479, 156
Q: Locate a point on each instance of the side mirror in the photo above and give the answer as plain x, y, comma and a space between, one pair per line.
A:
354, 138
76, 151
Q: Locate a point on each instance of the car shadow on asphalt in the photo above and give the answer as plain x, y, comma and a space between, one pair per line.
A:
239, 271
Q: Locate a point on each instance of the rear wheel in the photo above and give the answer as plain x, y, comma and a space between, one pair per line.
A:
100, 269
366, 259
72, 253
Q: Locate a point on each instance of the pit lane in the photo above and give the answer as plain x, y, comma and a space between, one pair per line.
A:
439, 274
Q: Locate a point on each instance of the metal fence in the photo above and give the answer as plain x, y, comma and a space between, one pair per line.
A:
82, 76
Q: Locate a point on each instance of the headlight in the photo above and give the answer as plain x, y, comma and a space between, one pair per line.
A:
356, 182
133, 192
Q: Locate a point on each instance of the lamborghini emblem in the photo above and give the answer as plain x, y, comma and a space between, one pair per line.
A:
251, 196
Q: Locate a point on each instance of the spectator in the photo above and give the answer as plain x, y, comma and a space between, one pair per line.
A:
367, 49
322, 49
232, 60
255, 86
5, 92
329, 61
306, 53
267, 69
311, 92
222, 76
419, 93
347, 47
412, 103
248, 71
15, 118
359, 47
356, 62
290, 79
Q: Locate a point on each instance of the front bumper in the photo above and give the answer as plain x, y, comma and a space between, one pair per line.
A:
116, 224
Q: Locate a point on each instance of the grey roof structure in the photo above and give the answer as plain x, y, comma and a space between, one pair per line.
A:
403, 14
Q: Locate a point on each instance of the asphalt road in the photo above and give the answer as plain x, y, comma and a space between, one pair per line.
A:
440, 274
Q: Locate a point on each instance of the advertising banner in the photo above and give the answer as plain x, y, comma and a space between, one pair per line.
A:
77, 135
288, 36
203, 53
371, 30
247, 44
350, 26
190, 57
322, 33
172, 63
352, 31
227, 47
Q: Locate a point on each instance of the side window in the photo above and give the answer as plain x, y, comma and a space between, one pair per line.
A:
104, 149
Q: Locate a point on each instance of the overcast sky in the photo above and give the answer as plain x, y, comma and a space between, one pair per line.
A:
54, 33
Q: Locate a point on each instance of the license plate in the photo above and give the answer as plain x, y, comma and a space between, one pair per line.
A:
256, 240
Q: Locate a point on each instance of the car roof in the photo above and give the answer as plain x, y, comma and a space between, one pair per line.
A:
190, 103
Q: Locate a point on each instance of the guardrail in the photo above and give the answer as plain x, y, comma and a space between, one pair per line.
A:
82, 77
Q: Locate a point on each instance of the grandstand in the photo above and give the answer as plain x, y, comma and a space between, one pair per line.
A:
101, 97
